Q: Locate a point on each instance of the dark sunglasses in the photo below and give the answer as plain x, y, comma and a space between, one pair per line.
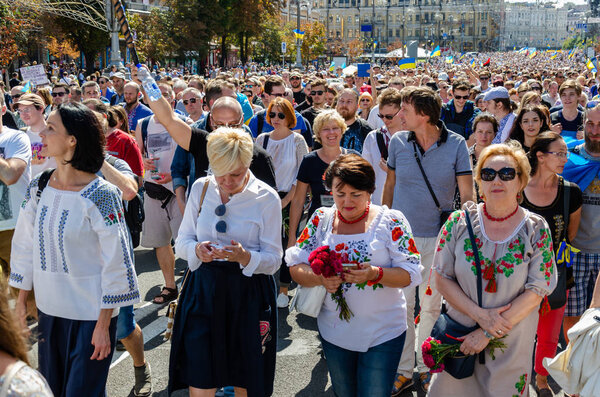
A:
317, 92
461, 97
16, 96
60, 94
249, 86
277, 95
505, 174
280, 115
387, 116
294, 78
221, 226
536, 88
191, 100
102, 81
484, 78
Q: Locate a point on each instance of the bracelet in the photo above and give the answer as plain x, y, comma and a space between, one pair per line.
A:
378, 279
487, 334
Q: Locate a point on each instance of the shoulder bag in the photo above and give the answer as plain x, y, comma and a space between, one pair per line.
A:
444, 215
447, 330
173, 304
309, 300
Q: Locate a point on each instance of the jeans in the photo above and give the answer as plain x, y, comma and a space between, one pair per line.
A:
364, 374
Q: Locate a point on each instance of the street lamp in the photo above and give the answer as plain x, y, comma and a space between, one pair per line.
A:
298, 40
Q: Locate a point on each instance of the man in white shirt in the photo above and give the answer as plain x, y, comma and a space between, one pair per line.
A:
15, 175
31, 109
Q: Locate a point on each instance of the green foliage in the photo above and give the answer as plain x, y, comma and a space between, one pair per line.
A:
154, 35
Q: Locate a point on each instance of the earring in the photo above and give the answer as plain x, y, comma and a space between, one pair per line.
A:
518, 196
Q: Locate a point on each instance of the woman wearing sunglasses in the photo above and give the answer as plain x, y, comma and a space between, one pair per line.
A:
547, 196
225, 331
517, 270
365, 104
287, 149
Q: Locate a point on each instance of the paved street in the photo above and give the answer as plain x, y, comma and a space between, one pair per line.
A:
300, 369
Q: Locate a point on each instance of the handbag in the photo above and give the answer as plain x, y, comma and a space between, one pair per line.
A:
8, 377
447, 330
173, 304
444, 214
309, 300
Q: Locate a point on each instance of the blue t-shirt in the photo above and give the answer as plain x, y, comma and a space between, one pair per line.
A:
139, 113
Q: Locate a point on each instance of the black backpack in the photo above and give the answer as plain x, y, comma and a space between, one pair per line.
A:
133, 209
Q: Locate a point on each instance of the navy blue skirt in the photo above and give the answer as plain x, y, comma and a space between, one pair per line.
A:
64, 351
225, 331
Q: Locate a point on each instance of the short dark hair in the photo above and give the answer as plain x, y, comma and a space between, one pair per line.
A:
425, 101
62, 85
540, 145
390, 96
319, 82
101, 107
353, 170
271, 82
461, 85
486, 118
214, 90
82, 123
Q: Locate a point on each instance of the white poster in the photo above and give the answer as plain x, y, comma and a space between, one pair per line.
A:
36, 74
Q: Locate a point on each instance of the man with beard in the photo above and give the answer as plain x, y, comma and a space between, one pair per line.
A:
358, 129
60, 94
296, 83
135, 110
118, 80
583, 168
317, 94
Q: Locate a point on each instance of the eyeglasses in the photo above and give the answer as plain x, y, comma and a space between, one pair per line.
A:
277, 95
294, 78
536, 88
102, 81
313, 93
221, 226
461, 97
280, 115
191, 100
365, 100
387, 116
564, 155
484, 78
229, 125
505, 174
16, 96
59, 94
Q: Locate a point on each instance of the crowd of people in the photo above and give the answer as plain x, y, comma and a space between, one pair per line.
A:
407, 175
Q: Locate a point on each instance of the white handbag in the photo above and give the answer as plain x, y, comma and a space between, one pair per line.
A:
309, 300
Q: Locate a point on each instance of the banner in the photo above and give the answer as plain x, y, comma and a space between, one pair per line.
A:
36, 74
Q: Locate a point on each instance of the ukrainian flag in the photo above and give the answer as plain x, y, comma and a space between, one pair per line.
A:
472, 63
407, 63
27, 88
591, 65
533, 54
332, 66
571, 53
298, 33
450, 59
554, 55
436, 52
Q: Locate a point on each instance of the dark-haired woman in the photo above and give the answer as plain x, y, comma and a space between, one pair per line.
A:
545, 195
530, 121
287, 149
362, 353
73, 246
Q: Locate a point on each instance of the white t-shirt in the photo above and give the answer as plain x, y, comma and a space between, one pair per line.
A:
160, 145
287, 154
39, 163
13, 145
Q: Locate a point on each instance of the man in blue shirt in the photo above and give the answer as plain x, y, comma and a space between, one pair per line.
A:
135, 110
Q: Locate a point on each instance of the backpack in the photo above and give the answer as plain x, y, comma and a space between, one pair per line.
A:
133, 209
381, 144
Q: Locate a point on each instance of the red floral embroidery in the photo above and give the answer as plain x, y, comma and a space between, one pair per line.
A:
303, 236
315, 221
412, 247
396, 233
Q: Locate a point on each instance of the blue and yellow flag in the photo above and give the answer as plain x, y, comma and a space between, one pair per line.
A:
571, 53
472, 63
407, 63
554, 55
344, 65
533, 54
436, 52
332, 66
27, 88
298, 33
591, 65
450, 59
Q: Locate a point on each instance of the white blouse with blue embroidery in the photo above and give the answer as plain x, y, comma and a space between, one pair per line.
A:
74, 248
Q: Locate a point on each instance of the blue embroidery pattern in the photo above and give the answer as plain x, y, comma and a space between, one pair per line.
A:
107, 202
127, 261
61, 238
16, 277
32, 184
112, 299
43, 213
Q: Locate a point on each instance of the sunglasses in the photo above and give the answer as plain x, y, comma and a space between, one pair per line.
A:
280, 115
536, 88
102, 81
294, 78
191, 100
317, 92
387, 116
221, 226
484, 78
16, 96
277, 95
249, 86
506, 174
461, 97
60, 94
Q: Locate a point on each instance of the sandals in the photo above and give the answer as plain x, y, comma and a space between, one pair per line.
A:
166, 295
401, 384
425, 380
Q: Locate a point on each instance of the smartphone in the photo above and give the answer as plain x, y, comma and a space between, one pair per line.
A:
349, 266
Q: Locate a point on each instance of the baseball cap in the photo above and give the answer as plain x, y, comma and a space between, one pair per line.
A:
31, 99
118, 75
496, 93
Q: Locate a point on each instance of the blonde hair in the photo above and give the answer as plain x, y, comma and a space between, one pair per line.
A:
325, 116
227, 149
511, 149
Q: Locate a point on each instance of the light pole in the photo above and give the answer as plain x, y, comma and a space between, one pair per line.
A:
298, 40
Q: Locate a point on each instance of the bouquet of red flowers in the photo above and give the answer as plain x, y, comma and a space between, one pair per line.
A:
434, 351
328, 263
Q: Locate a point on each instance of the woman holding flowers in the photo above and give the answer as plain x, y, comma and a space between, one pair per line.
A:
362, 342
518, 270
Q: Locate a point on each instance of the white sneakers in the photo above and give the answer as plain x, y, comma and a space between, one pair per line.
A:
282, 301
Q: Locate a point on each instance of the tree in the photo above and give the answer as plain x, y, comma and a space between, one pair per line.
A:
355, 48
267, 46
154, 35
313, 43
13, 31
59, 48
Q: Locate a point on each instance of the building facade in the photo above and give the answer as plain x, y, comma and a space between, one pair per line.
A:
534, 25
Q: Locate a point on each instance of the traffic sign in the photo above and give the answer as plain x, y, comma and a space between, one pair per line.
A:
283, 47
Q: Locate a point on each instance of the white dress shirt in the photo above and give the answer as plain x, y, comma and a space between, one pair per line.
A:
253, 219
372, 154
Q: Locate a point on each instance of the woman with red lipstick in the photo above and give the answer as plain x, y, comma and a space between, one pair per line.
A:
530, 121
517, 270
362, 353
559, 202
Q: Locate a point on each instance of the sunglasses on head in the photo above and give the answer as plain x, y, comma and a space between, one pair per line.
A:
461, 97
505, 174
317, 92
60, 94
191, 100
280, 115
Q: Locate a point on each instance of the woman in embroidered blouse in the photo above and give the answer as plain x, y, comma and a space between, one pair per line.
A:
518, 270
73, 246
287, 149
225, 330
363, 353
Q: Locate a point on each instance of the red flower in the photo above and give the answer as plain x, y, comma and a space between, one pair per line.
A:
412, 247
396, 233
339, 247
315, 221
